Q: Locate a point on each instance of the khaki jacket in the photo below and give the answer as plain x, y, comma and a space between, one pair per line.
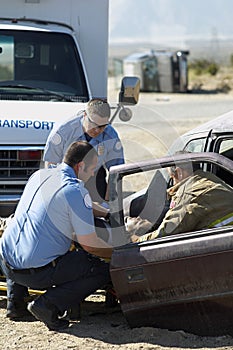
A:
198, 202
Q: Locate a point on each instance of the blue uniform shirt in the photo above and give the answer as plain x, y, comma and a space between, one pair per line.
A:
53, 208
107, 144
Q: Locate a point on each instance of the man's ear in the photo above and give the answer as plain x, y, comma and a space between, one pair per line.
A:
79, 166
178, 173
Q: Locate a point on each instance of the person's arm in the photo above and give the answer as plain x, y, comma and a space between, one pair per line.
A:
55, 145
147, 237
107, 192
95, 245
82, 220
99, 211
50, 165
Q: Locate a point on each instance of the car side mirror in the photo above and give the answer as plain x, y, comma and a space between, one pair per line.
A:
129, 93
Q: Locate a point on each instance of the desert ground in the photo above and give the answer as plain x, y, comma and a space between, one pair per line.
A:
106, 328
100, 328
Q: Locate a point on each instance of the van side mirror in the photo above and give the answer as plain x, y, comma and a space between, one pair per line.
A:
129, 93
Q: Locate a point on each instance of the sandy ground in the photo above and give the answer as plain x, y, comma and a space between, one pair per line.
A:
99, 328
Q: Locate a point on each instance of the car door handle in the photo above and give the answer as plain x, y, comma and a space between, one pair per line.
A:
135, 275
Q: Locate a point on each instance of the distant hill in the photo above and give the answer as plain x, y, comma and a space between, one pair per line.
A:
219, 51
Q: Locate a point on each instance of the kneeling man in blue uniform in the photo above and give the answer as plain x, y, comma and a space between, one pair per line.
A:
56, 209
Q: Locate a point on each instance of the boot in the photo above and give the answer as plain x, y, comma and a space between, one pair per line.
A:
17, 310
47, 313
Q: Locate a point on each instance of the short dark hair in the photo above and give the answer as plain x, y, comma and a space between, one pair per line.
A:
79, 151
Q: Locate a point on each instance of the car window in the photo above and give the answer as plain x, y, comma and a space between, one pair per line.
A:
226, 148
196, 145
150, 197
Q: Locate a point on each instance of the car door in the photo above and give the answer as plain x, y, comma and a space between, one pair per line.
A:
177, 282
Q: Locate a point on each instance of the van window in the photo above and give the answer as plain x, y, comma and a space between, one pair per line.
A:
42, 60
6, 57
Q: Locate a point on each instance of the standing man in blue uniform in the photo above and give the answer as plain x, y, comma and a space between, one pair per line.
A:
54, 210
93, 126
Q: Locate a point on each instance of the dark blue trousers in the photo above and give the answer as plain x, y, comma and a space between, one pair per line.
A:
75, 276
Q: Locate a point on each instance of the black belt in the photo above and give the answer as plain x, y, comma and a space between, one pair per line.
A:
30, 270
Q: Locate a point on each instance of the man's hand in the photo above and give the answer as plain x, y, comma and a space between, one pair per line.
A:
137, 226
134, 238
99, 210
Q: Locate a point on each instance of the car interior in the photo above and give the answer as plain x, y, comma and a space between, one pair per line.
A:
153, 203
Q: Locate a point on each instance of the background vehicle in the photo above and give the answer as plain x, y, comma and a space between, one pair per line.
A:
159, 70
53, 59
178, 282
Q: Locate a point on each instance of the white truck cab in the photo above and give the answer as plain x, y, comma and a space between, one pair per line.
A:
53, 59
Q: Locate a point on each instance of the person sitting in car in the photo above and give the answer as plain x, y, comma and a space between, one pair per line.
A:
199, 200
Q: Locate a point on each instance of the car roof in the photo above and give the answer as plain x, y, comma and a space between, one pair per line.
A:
223, 123
220, 125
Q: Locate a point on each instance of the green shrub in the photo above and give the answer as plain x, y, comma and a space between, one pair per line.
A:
213, 69
203, 66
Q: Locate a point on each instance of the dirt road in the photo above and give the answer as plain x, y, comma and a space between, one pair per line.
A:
159, 119
101, 328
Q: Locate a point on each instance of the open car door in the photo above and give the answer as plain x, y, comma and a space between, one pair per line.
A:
176, 282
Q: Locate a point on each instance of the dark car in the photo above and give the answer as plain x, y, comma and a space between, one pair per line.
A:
184, 281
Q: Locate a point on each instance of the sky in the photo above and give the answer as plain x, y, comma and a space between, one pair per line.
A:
166, 21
